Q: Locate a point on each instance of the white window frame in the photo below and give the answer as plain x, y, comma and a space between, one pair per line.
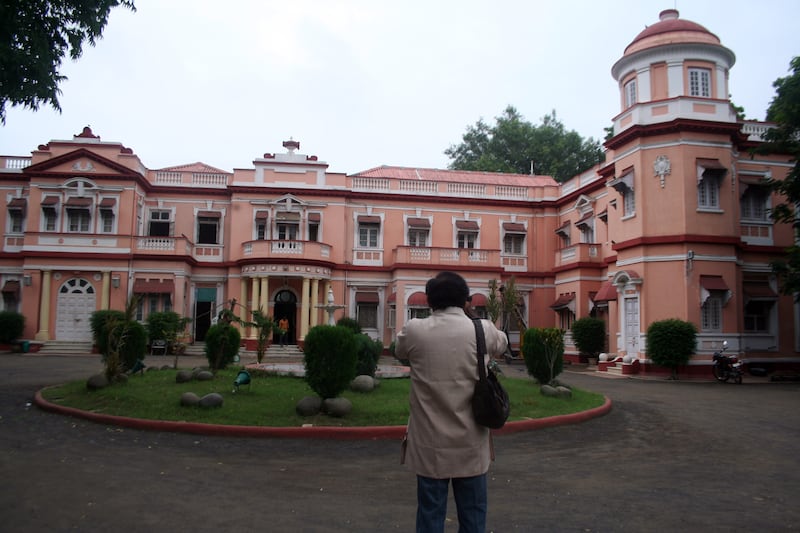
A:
711, 313
630, 93
755, 204
160, 216
514, 244
16, 221
369, 235
217, 222
708, 192
79, 220
699, 82
628, 202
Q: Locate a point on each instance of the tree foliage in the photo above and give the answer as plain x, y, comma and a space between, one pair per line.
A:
589, 335
784, 138
514, 145
330, 359
543, 351
671, 343
36, 35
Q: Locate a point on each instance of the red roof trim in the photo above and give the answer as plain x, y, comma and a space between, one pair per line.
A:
418, 299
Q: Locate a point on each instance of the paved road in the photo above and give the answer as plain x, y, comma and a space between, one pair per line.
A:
670, 456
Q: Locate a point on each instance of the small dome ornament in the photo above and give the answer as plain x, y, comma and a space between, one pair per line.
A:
662, 167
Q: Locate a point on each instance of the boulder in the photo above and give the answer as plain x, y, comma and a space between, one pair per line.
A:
309, 406
213, 399
183, 376
96, 382
564, 392
204, 375
363, 383
190, 399
337, 407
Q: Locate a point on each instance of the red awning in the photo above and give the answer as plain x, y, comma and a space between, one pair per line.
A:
11, 287
419, 223
564, 228
710, 164
262, 215
514, 227
107, 203
79, 202
607, 293
367, 297
563, 300
713, 283
153, 286
17, 203
209, 214
314, 217
418, 299
758, 290
392, 298
470, 225
584, 219
369, 219
478, 300
49, 201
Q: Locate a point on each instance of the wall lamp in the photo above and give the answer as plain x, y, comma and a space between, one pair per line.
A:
27, 280
115, 282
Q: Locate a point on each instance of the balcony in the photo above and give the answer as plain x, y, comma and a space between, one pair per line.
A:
579, 253
450, 257
758, 233
163, 246
283, 249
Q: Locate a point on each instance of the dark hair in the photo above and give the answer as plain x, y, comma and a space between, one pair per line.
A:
447, 289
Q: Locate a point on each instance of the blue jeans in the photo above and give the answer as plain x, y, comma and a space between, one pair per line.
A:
469, 494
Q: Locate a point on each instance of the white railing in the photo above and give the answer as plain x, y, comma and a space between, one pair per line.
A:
18, 162
168, 178
287, 247
371, 184
755, 130
428, 187
156, 243
467, 189
509, 191
207, 178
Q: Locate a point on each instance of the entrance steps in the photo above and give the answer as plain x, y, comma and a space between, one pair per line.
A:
283, 352
65, 348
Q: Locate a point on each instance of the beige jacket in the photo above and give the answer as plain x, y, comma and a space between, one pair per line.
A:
444, 441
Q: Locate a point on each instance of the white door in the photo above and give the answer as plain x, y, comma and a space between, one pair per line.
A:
631, 325
76, 303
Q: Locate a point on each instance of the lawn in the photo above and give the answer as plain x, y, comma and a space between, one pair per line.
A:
270, 400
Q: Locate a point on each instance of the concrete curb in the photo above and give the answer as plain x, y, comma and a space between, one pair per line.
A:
311, 432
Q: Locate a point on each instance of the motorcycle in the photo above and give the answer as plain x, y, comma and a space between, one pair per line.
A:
727, 367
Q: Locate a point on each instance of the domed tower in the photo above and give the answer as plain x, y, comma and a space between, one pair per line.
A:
673, 69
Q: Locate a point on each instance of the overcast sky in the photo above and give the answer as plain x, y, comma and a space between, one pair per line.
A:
364, 83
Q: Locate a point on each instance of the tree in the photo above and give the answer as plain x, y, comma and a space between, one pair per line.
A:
784, 138
516, 146
671, 343
36, 35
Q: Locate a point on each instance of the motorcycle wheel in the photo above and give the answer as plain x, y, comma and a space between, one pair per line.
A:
720, 374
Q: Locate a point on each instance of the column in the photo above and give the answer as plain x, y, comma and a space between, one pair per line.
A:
105, 294
304, 310
44, 308
242, 299
263, 303
254, 297
314, 302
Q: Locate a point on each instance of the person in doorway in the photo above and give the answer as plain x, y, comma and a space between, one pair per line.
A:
283, 328
444, 444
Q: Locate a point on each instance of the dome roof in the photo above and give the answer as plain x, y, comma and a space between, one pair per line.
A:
671, 29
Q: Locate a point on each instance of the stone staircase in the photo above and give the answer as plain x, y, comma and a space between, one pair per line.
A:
290, 351
65, 348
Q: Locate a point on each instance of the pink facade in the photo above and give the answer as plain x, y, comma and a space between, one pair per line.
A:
674, 224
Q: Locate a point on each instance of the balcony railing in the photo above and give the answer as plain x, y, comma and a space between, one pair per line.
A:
579, 253
451, 257
287, 249
759, 233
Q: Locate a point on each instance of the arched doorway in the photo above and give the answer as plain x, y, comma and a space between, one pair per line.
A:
76, 303
286, 306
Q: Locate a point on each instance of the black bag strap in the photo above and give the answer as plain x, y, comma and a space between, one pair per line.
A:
481, 341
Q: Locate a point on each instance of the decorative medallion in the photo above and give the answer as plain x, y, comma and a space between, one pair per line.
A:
662, 167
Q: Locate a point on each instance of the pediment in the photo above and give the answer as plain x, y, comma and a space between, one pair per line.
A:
81, 162
584, 203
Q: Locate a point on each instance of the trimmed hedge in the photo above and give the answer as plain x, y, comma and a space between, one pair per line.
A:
330, 359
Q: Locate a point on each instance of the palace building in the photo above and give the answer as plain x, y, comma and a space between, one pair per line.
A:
674, 224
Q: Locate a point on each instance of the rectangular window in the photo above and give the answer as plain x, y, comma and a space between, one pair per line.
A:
261, 229
514, 243
50, 218
419, 312
288, 232
78, 220
207, 230
630, 93
367, 314
313, 231
466, 239
368, 235
153, 304
417, 237
628, 202
708, 192
160, 224
587, 231
754, 203
756, 316
107, 220
712, 314
17, 220
166, 302
700, 82
565, 319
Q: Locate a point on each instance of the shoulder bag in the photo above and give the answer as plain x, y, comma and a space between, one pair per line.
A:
490, 404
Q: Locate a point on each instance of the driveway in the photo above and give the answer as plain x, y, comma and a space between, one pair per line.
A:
670, 456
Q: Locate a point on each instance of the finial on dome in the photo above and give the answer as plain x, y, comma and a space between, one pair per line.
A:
669, 14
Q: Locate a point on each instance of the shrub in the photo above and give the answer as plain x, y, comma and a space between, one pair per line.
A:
222, 345
368, 352
543, 350
100, 323
349, 323
164, 325
131, 339
330, 359
589, 334
12, 324
671, 343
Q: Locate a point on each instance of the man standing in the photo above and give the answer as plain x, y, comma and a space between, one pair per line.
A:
283, 327
445, 445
